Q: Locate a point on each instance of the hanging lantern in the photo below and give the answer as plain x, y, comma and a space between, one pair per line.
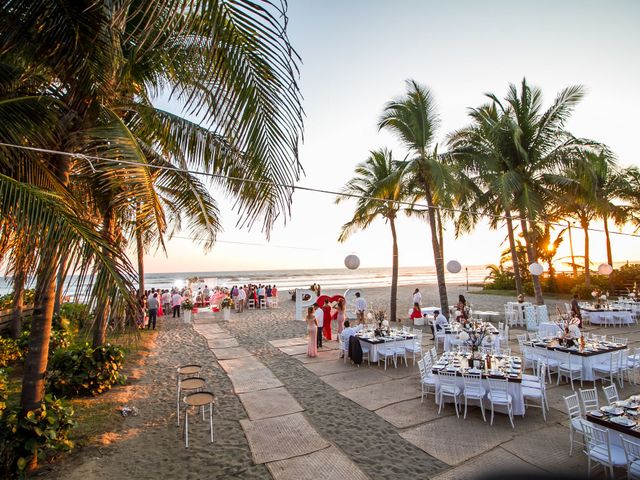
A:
351, 262
536, 269
453, 266
605, 269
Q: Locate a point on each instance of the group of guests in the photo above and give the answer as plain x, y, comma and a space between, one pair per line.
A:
256, 292
319, 318
161, 303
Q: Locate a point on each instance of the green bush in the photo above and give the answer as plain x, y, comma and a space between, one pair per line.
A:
6, 301
3, 392
583, 291
82, 370
74, 316
10, 351
60, 338
25, 436
499, 279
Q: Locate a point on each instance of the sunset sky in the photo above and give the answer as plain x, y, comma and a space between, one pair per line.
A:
356, 56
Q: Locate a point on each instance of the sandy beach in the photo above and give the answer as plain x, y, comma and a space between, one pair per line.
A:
367, 421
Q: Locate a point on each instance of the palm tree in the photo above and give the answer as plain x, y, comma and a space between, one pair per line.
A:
378, 177
538, 144
413, 119
481, 150
93, 68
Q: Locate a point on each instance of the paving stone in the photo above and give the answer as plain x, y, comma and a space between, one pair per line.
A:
294, 350
487, 466
248, 374
223, 343
279, 438
357, 378
322, 357
411, 412
328, 464
231, 352
466, 438
379, 395
273, 402
327, 368
548, 448
289, 342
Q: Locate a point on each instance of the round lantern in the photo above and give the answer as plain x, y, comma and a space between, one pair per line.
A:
352, 262
536, 269
453, 266
605, 269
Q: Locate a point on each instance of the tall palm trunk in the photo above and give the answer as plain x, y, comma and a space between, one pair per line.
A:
608, 240
103, 310
573, 258
587, 261
514, 252
437, 253
394, 271
18, 299
140, 252
537, 287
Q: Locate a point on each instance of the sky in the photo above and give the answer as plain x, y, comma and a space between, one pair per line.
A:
356, 56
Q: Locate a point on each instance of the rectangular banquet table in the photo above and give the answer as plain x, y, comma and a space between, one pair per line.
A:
587, 359
601, 316
514, 387
451, 338
617, 431
374, 344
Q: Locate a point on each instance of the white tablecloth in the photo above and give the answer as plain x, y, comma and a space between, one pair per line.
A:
615, 436
451, 342
598, 318
587, 363
374, 348
514, 388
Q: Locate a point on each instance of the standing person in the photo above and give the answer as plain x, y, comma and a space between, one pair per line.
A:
235, 293
206, 294
575, 309
326, 329
166, 302
415, 313
462, 307
417, 297
312, 328
176, 301
242, 297
341, 315
361, 306
153, 303
274, 292
319, 314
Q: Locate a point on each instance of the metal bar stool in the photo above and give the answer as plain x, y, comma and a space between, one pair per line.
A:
189, 386
199, 399
185, 371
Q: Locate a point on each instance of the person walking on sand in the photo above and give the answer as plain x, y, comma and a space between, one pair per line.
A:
312, 328
242, 297
326, 329
153, 305
361, 307
417, 297
319, 314
176, 301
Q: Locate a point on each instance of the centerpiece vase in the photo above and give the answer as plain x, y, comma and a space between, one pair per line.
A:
186, 316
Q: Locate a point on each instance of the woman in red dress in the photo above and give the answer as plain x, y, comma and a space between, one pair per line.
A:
326, 329
416, 313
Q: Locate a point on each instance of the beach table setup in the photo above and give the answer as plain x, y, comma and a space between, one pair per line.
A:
374, 342
485, 315
514, 313
593, 353
494, 366
608, 316
621, 419
452, 333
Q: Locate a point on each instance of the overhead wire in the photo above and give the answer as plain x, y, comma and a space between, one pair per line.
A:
90, 158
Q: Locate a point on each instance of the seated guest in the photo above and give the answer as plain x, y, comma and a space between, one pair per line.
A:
416, 312
440, 322
347, 333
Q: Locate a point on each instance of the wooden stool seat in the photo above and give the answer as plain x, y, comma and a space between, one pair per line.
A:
192, 383
199, 399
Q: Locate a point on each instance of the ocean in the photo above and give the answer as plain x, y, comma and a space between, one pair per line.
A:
330, 278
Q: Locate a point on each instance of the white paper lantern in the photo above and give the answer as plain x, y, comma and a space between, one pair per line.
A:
352, 262
605, 269
453, 266
536, 269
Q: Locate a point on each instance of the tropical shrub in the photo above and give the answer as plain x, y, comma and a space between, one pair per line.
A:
3, 392
6, 300
60, 338
25, 437
499, 278
74, 316
583, 291
10, 351
85, 370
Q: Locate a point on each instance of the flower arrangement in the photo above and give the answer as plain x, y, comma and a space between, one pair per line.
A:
187, 304
227, 302
475, 338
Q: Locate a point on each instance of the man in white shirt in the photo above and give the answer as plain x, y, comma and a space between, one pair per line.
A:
166, 302
319, 314
242, 296
347, 333
361, 306
176, 301
417, 297
440, 322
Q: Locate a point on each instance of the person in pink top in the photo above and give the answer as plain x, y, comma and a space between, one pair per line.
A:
176, 301
312, 328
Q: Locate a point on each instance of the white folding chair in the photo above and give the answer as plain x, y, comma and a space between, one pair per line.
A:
473, 390
499, 395
387, 351
608, 369
537, 392
611, 393
600, 450
427, 379
575, 420
448, 387
570, 368
632, 452
415, 347
589, 399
